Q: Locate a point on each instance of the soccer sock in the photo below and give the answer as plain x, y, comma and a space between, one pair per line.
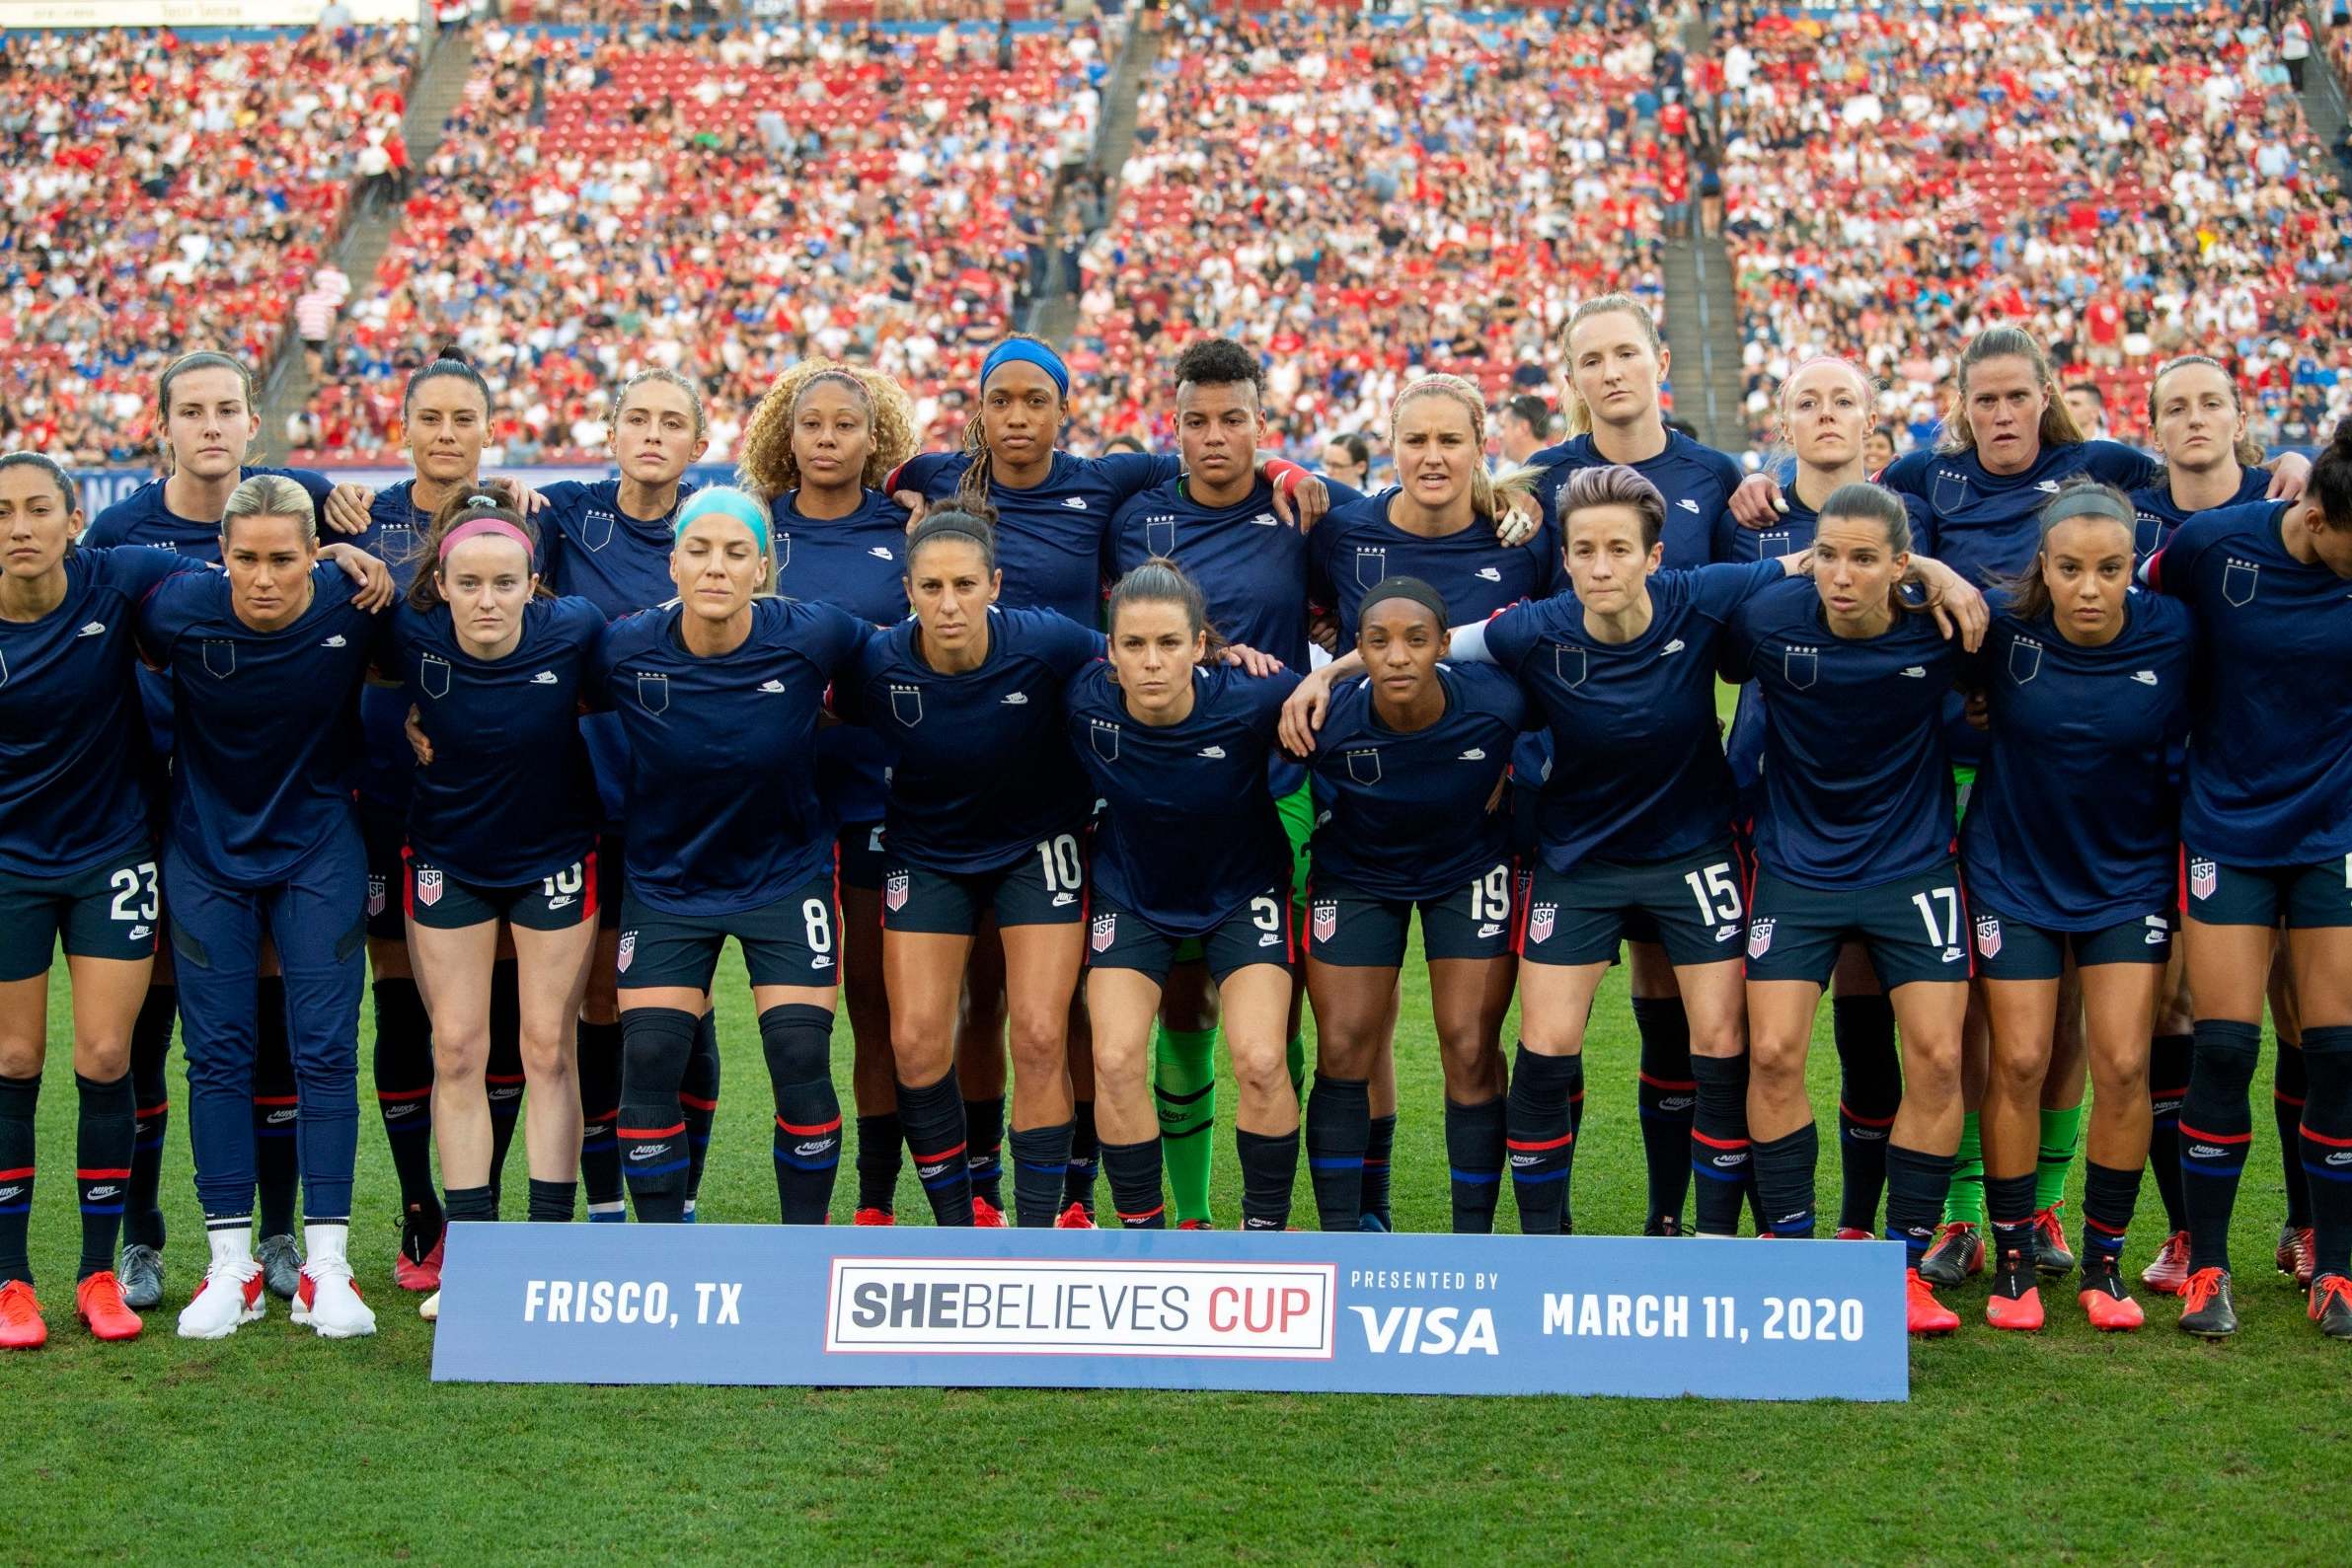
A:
551, 1202
2108, 1198
405, 1093
698, 1101
2009, 1206
2062, 1137
1041, 1165
502, 1072
1916, 1184
2216, 1128
1475, 1136
797, 1040
1719, 1147
933, 1117
1185, 1090
1665, 1096
2327, 1146
1270, 1169
600, 1113
1134, 1174
1784, 1169
150, 1057
984, 1149
2167, 1086
20, 1098
2290, 1089
1964, 1202
1338, 1129
878, 1159
1078, 1185
1542, 1138
1869, 1092
1380, 1145
103, 1132
278, 1163
1294, 1056
654, 1045
472, 1203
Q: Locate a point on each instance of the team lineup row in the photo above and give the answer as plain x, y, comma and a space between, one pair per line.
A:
595, 738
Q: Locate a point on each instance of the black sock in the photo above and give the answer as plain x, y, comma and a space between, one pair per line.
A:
2009, 1216
2289, 1088
984, 1149
1040, 1165
1135, 1191
698, 1099
1379, 1144
879, 1159
20, 1098
551, 1202
1085, 1154
1718, 1147
1542, 1138
1269, 1171
1869, 1091
150, 1058
2108, 1197
278, 1159
1475, 1156
405, 1092
933, 1117
107, 1127
797, 1040
1338, 1127
502, 1072
654, 1045
2217, 1125
600, 1113
472, 1203
2167, 1086
1665, 1097
1784, 1169
1916, 1184
2325, 1136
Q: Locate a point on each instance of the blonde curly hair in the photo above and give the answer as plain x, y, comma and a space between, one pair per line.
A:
768, 467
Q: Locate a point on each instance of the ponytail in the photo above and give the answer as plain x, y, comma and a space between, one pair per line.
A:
1160, 581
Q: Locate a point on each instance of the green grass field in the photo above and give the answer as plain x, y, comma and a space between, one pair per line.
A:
2149, 1446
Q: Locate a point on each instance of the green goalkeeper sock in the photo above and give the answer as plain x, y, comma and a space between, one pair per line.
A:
1185, 1089
1966, 1203
1298, 1064
2062, 1135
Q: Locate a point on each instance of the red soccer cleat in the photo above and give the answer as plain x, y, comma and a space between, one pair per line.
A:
21, 1327
2294, 1256
98, 1302
1922, 1313
422, 1276
986, 1216
1846, 1233
1194, 1224
2169, 1272
2103, 1300
874, 1217
1075, 1218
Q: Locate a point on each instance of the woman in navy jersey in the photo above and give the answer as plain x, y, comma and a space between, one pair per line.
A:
267, 658
1855, 843
501, 829
2267, 832
718, 693
2071, 855
1190, 847
817, 449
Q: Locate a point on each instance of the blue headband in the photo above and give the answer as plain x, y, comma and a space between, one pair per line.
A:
724, 501
1029, 353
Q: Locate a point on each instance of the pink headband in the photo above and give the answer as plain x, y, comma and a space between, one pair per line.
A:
477, 528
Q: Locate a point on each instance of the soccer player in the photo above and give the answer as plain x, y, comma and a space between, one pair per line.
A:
1190, 847
718, 693
267, 658
2071, 854
2268, 839
817, 449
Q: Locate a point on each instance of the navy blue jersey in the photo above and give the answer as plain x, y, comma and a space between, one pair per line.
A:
722, 809
2158, 516
980, 764
507, 798
1050, 537
2270, 776
1696, 480
395, 535
2074, 824
1191, 832
270, 730
1987, 526
852, 563
1403, 816
1636, 774
73, 747
1857, 791
1353, 547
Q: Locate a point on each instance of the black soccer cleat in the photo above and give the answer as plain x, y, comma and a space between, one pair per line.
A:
2331, 1305
2049, 1244
2205, 1308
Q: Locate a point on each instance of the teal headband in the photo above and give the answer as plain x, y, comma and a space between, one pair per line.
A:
1034, 353
724, 501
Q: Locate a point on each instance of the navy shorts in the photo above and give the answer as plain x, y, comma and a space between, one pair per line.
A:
1690, 905
1351, 929
2302, 897
793, 941
612, 877
1044, 887
2015, 949
110, 911
858, 851
441, 900
1913, 928
1258, 932
384, 835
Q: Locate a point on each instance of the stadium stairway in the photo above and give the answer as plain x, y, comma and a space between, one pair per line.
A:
2323, 96
1702, 330
1056, 317
440, 88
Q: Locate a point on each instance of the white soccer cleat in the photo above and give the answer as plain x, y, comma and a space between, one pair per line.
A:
230, 1294
430, 1308
327, 1300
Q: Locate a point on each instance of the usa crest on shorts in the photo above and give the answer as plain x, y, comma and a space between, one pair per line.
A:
894, 888
627, 951
1105, 932
429, 886
1988, 936
2204, 877
375, 895
1540, 921
1327, 920
1760, 936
